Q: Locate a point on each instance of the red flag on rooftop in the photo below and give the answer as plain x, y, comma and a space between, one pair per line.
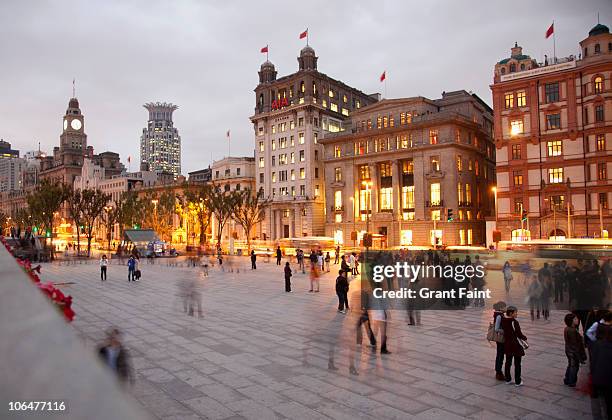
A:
304, 34
264, 50
550, 30
383, 76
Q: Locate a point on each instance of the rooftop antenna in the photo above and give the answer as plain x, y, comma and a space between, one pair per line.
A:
598, 18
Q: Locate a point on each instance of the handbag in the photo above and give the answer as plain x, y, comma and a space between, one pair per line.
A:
492, 335
522, 343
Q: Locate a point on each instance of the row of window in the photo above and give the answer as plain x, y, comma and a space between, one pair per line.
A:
227, 173
291, 191
288, 93
282, 175
285, 159
555, 175
555, 147
557, 203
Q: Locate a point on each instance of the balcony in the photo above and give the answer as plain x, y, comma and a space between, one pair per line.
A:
433, 174
439, 203
465, 204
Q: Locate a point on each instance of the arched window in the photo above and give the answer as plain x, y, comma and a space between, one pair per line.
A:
503, 70
609, 46
512, 68
302, 87
523, 66
586, 51
314, 88
597, 49
598, 84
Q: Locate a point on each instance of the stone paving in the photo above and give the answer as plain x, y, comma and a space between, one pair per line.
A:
260, 353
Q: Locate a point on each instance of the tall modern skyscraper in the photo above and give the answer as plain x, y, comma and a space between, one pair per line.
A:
160, 143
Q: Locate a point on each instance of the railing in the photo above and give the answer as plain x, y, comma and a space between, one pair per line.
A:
67, 370
434, 203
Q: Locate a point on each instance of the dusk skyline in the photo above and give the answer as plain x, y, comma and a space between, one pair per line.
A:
205, 59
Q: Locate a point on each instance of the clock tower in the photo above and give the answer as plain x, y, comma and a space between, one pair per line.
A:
73, 137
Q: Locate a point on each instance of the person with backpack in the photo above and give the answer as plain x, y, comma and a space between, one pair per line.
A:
498, 337
574, 349
514, 345
342, 288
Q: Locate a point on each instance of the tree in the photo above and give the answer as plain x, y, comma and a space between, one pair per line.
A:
199, 197
76, 202
111, 217
129, 211
222, 206
94, 203
44, 202
3, 222
248, 211
159, 209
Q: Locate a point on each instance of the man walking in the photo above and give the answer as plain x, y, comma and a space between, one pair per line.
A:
253, 261
337, 255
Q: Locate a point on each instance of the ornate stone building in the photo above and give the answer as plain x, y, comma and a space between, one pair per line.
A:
292, 114
553, 134
403, 164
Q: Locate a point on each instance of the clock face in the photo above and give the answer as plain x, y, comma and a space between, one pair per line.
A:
65, 124
75, 124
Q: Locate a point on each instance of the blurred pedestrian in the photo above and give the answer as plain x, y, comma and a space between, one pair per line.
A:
507, 270
498, 315
327, 261
253, 261
601, 367
116, 357
380, 318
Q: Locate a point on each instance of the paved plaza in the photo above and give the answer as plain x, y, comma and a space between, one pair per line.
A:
261, 353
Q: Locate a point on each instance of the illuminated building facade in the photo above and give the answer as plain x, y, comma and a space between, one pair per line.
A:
553, 134
292, 114
160, 143
405, 165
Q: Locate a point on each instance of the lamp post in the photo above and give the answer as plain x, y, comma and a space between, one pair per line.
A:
109, 233
368, 186
494, 189
354, 224
154, 202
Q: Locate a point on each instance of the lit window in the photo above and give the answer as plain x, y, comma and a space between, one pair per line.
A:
333, 106
509, 99
516, 127
317, 191
601, 142
433, 136
598, 84
518, 178
601, 171
554, 148
331, 93
386, 198
261, 162
434, 195
338, 200
273, 144
261, 146
302, 173
435, 163
408, 197
273, 176
516, 151
435, 215
521, 98
345, 112
555, 175
293, 176
337, 174
468, 194
301, 138
337, 151
459, 163
302, 156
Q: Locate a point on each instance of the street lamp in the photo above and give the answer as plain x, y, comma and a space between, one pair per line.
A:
368, 186
354, 233
494, 189
154, 202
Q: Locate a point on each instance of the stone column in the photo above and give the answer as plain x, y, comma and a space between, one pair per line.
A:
375, 188
394, 235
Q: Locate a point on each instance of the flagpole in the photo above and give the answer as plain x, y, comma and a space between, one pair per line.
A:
554, 44
307, 35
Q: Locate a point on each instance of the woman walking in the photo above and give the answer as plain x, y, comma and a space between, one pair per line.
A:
288, 275
507, 270
513, 345
103, 265
498, 315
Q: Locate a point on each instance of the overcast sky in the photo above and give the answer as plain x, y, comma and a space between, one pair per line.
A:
204, 57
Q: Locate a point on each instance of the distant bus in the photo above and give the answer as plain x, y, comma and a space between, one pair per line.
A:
568, 249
